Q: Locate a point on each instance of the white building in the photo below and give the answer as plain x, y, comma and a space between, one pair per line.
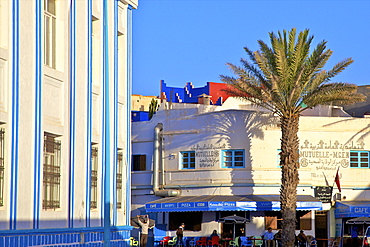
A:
65, 76
209, 162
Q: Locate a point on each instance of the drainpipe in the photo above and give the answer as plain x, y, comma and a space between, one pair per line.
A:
157, 160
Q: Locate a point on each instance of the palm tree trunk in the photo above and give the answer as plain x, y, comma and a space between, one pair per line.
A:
289, 162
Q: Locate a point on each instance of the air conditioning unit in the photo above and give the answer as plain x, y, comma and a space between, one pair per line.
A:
338, 197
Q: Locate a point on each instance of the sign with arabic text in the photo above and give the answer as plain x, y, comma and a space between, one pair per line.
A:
207, 155
327, 156
324, 193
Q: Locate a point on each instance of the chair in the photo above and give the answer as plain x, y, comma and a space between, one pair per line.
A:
234, 242
133, 242
215, 240
187, 240
164, 241
172, 242
313, 243
309, 238
192, 243
245, 241
201, 242
257, 241
335, 242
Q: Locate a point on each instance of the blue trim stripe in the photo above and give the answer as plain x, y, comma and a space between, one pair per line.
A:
106, 128
15, 118
115, 102
72, 120
89, 111
61, 231
38, 115
128, 113
65, 237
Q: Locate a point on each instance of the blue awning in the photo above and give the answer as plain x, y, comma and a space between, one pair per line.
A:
228, 203
352, 209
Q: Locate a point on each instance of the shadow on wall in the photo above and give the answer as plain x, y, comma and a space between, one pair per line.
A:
229, 129
359, 136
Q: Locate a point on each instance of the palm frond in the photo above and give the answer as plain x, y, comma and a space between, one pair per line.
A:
334, 93
339, 67
282, 76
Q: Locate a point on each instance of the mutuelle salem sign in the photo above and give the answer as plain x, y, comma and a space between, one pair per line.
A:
207, 155
324, 193
326, 156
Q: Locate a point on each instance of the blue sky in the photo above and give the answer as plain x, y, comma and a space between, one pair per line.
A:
183, 41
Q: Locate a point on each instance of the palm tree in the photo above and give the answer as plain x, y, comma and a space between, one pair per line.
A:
287, 78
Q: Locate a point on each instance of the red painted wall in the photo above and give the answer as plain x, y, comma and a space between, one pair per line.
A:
215, 90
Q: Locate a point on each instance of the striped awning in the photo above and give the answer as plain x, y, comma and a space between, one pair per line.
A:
228, 203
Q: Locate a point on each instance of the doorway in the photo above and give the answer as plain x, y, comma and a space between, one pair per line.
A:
321, 228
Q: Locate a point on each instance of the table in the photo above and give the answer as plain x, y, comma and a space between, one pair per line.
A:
225, 242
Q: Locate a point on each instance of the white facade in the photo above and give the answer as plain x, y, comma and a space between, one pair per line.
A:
65, 79
329, 138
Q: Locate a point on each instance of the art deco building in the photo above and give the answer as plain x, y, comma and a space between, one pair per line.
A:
65, 75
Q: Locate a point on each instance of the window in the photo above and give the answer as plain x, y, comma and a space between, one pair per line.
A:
193, 220
278, 157
359, 159
188, 160
2, 133
274, 220
94, 177
233, 158
119, 179
303, 163
49, 33
96, 43
4, 23
139, 162
51, 172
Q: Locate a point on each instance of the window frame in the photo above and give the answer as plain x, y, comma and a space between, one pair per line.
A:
50, 34
51, 172
94, 176
142, 165
233, 156
274, 220
359, 158
190, 164
2, 165
119, 175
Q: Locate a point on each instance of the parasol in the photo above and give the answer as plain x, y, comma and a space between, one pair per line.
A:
359, 221
233, 219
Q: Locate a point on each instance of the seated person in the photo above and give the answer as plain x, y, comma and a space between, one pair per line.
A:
277, 237
268, 237
214, 233
302, 239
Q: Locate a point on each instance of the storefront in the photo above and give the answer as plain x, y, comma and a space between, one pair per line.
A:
201, 213
228, 203
352, 219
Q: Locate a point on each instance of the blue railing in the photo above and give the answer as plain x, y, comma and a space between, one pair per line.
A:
75, 237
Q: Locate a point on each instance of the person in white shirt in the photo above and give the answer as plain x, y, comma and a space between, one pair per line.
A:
144, 229
180, 235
